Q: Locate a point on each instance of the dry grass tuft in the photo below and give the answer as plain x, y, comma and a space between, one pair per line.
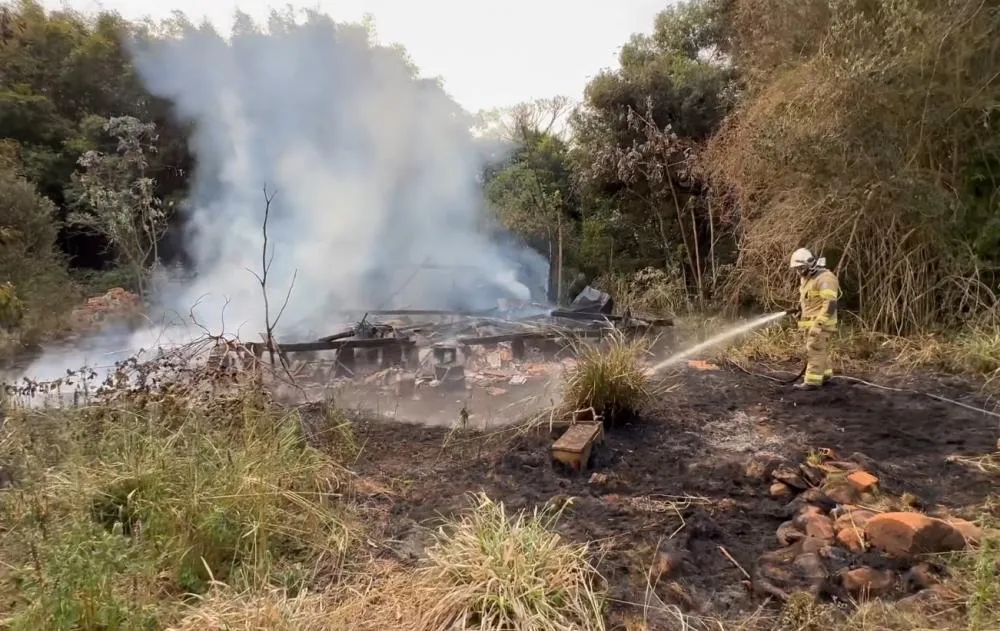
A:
495, 572
224, 610
610, 378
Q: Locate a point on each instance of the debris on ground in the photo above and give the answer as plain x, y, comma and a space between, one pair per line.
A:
836, 541
115, 305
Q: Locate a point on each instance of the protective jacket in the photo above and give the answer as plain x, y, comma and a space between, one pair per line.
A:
818, 295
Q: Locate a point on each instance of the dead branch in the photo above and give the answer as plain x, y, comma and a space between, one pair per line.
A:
265, 262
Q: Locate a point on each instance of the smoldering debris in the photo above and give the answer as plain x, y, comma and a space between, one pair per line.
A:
430, 365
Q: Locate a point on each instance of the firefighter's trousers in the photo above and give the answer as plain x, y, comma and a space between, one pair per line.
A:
818, 367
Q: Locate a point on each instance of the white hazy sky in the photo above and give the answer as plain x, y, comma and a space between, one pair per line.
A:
490, 54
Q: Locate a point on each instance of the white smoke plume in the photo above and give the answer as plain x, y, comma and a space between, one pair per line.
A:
374, 170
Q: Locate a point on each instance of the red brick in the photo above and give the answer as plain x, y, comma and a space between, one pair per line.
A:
862, 481
852, 540
907, 534
865, 581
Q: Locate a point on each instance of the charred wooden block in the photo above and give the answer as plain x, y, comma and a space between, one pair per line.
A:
574, 447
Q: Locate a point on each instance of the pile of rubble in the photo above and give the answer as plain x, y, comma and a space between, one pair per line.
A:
406, 349
845, 539
116, 305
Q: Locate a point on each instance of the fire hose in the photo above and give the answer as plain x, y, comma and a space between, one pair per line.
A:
931, 395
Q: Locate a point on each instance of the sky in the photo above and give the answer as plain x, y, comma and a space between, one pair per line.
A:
490, 54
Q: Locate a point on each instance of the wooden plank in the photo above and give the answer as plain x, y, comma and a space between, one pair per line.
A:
574, 447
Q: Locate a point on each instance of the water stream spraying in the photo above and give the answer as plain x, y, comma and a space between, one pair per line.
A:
718, 339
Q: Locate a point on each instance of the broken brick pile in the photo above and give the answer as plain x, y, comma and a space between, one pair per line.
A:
115, 305
844, 539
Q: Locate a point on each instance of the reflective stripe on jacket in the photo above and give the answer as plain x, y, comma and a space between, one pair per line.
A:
815, 295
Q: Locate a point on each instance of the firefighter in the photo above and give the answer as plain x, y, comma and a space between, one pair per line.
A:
819, 290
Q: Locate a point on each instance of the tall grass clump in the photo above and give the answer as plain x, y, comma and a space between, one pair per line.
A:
610, 378
119, 510
497, 572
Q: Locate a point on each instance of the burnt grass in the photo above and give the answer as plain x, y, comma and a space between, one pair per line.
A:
704, 441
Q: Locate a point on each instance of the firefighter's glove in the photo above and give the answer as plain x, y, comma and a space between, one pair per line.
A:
795, 312
817, 326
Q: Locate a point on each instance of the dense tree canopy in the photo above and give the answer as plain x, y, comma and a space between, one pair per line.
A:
733, 132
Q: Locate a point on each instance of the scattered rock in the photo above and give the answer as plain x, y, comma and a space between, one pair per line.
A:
841, 492
851, 539
809, 567
808, 510
865, 581
762, 466
789, 477
814, 544
599, 479
788, 533
812, 474
920, 577
855, 519
933, 598
816, 525
862, 481
840, 466
817, 497
790, 569
907, 534
972, 533
780, 490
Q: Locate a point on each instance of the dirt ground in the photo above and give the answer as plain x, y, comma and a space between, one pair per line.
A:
679, 480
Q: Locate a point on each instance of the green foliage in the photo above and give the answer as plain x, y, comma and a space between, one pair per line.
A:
870, 132
60, 71
532, 192
637, 136
609, 378
118, 196
11, 307
117, 506
75, 586
39, 288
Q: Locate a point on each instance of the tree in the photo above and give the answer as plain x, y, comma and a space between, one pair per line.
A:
118, 200
869, 131
35, 284
516, 124
531, 191
639, 133
59, 71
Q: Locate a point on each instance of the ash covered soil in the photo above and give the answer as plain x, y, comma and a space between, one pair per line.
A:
682, 483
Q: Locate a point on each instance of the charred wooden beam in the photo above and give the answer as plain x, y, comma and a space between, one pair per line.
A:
329, 345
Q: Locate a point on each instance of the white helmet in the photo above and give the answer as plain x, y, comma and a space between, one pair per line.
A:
802, 258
